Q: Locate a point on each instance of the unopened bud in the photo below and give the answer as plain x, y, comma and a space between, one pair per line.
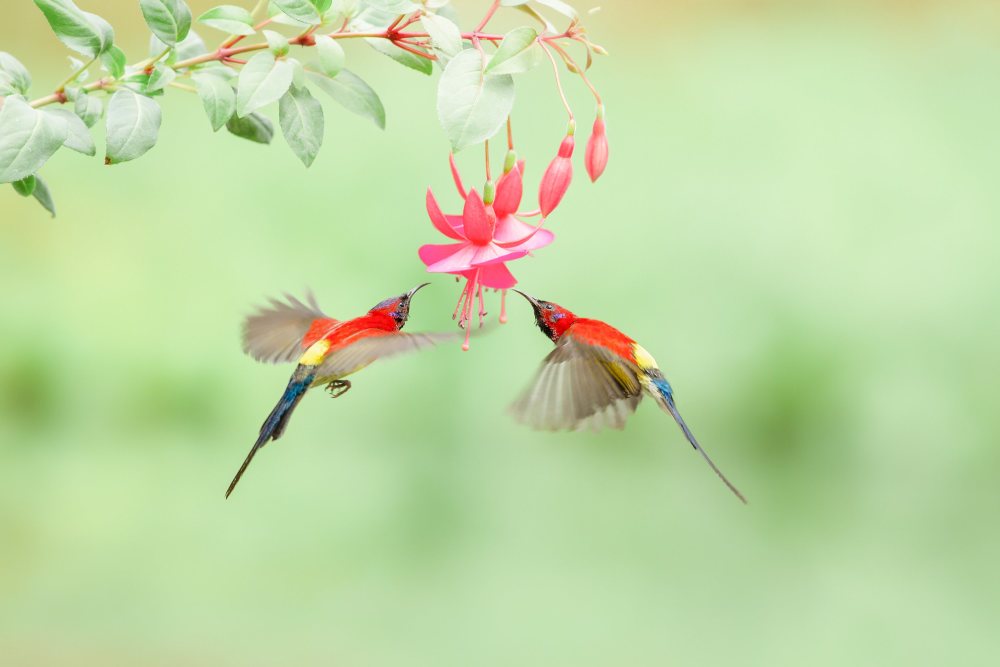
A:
509, 161
557, 178
596, 155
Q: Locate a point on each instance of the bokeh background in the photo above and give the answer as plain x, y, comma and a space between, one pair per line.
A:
799, 221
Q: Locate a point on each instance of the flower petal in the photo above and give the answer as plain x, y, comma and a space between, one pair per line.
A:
433, 253
492, 253
477, 220
510, 187
439, 220
496, 276
460, 259
516, 235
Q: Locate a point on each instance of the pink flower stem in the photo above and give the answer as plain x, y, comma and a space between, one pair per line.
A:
555, 70
510, 136
489, 14
503, 306
578, 69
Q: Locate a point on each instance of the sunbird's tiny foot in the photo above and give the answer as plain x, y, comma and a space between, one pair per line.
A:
338, 388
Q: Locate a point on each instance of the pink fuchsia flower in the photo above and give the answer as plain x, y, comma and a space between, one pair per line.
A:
596, 155
557, 177
489, 234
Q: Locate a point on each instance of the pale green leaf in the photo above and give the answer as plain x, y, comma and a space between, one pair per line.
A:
81, 31
255, 127
113, 61
526, 60
28, 138
170, 20
352, 93
514, 42
301, 118
17, 75
471, 106
560, 7
132, 126
190, 47
277, 43
445, 35
229, 19
395, 7
331, 55
303, 11
160, 78
218, 98
78, 136
88, 108
262, 80
43, 196
401, 56
26, 186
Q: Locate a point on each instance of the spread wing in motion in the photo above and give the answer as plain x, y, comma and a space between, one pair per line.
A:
372, 345
275, 333
579, 386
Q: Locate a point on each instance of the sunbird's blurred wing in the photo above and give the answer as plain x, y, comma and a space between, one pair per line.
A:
276, 333
579, 386
372, 344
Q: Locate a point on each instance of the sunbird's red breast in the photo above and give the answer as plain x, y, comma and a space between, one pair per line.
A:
327, 350
594, 378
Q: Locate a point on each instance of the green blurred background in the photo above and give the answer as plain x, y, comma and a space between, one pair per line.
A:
799, 221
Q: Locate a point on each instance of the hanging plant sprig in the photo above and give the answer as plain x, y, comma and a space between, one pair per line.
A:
274, 53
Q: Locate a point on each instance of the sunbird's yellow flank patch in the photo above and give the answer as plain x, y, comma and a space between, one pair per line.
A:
316, 353
643, 359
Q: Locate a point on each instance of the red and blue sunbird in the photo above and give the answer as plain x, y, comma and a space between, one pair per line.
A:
327, 350
594, 378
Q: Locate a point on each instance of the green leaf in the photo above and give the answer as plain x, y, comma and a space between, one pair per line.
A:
17, 74
298, 73
28, 138
471, 106
190, 47
401, 56
560, 7
170, 20
160, 78
262, 80
114, 61
78, 136
395, 7
132, 126
352, 93
300, 10
254, 127
43, 196
445, 35
277, 43
229, 19
218, 98
526, 60
514, 43
301, 118
81, 31
331, 55
88, 108
26, 186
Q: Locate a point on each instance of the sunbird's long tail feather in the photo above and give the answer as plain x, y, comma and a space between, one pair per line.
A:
275, 424
666, 394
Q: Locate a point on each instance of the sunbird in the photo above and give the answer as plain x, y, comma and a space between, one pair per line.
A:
594, 378
327, 350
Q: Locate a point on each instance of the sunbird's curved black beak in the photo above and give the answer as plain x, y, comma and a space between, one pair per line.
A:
409, 295
535, 303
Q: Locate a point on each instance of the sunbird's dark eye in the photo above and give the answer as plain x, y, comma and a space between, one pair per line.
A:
549, 306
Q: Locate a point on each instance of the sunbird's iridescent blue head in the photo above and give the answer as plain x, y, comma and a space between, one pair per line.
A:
398, 307
551, 318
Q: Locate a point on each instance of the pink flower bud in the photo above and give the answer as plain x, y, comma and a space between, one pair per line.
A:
557, 177
596, 155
